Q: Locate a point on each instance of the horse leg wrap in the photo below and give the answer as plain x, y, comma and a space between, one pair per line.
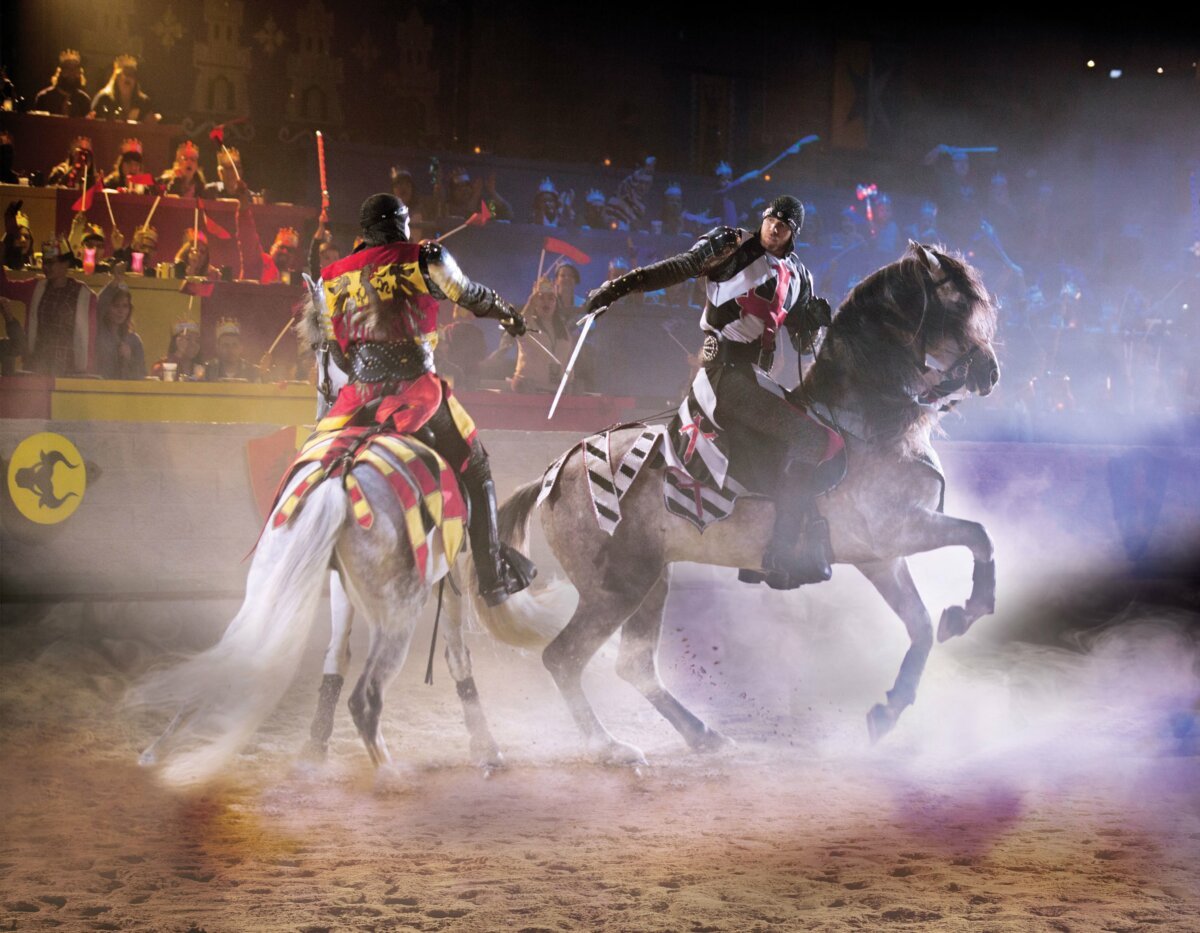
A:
983, 588
466, 690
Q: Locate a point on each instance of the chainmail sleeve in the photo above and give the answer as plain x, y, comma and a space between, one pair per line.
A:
446, 280
716, 245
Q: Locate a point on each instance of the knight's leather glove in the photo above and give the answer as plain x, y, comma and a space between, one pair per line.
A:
510, 319
599, 299
817, 314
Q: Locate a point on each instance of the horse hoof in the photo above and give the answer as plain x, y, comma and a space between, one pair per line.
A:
621, 755
880, 721
390, 780
710, 740
490, 761
954, 621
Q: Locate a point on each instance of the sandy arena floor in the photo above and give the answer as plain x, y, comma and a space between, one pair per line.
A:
1049, 824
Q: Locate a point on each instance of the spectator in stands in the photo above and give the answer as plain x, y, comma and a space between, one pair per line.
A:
192, 259
144, 241
1001, 214
12, 343
885, 231
461, 350
128, 163
230, 178
18, 237
69, 173
466, 193
627, 209
66, 96
405, 189
85, 236
546, 204
184, 352
593, 211
230, 362
925, 230
322, 251
61, 320
184, 179
281, 264
617, 267
566, 280
122, 98
672, 211
119, 351
536, 371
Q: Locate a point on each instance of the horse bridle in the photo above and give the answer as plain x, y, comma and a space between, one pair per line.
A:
953, 384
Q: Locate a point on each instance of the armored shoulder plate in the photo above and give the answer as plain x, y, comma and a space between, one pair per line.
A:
446, 280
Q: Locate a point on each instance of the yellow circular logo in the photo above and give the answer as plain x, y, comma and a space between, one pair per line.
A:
46, 478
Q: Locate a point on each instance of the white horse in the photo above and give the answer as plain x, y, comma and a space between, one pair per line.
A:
223, 694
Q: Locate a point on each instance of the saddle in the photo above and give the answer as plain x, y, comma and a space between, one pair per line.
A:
725, 463
427, 488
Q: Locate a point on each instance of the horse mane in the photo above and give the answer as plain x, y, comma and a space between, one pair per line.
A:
309, 326
872, 352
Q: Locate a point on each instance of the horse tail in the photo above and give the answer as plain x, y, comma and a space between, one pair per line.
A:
527, 619
224, 693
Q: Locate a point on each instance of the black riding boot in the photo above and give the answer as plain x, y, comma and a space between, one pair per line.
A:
502, 570
799, 551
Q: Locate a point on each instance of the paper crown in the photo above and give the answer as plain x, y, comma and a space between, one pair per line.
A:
121, 62
547, 186
673, 190
398, 173
185, 327
131, 147
724, 170
187, 149
227, 155
69, 56
228, 326
147, 236
287, 236
81, 142
92, 232
595, 196
22, 220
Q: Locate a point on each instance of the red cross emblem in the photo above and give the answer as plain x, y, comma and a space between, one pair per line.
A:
693, 431
772, 312
687, 484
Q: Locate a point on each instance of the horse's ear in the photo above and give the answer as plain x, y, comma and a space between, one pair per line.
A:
929, 261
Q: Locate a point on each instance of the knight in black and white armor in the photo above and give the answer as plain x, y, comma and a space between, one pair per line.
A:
755, 286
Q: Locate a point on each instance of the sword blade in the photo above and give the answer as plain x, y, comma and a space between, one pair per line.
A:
588, 320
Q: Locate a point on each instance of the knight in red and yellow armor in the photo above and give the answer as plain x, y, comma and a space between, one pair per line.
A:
378, 315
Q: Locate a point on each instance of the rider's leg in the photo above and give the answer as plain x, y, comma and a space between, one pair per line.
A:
799, 551
502, 571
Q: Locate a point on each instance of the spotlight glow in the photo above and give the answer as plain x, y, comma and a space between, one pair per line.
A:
1091, 63
1115, 73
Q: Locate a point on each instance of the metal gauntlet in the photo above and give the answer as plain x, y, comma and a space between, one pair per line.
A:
446, 280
